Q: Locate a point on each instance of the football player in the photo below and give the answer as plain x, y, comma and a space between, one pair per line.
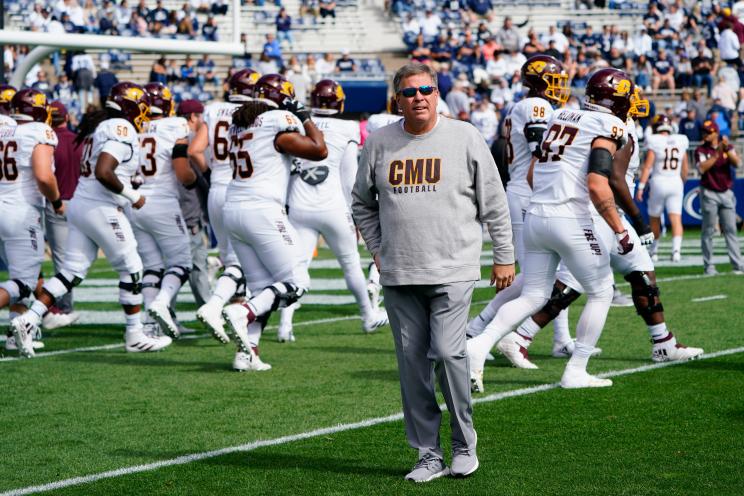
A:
376, 121
6, 95
319, 198
26, 180
210, 151
162, 240
524, 126
266, 134
96, 216
636, 266
572, 172
666, 163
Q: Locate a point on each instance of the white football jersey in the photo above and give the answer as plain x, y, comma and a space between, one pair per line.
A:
377, 121
669, 150
319, 185
527, 112
559, 180
260, 172
17, 143
218, 118
119, 131
6, 120
156, 150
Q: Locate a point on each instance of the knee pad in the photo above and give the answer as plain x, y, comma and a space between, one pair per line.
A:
263, 320
16, 289
61, 284
645, 294
560, 299
130, 289
235, 273
285, 293
182, 273
151, 279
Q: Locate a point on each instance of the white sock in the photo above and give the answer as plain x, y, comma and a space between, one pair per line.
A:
223, 291
262, 302
502, 297
512, 314
580, 357
528, 328
676, 244
658, 331
561, 332
149, 293
357, 284
254, 333
591, 323
36, 312
168, 288
133, 321
287, 314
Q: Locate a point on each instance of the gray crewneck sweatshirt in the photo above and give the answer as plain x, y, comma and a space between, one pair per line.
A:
419, 202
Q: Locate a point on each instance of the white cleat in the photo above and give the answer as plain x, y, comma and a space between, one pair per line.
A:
374, 321
476, 382
676, 257
490, 358
137, 341
10, 344
565, 350
24, 330
211, 317
672, 351
574, 378
161, 313
514, 348
285, 334
237, 320
57, 320
249, 362
477, 348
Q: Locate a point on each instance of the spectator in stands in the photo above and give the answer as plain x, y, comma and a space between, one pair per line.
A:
483, 34
298, 78
158, 71
508, 36
501, 94
272, 49
345, 63
158, 16
690, 125
284, 27
716, 115
83, 73
725, 96
675, 17
104, 81
430, 25
485, 120
590, 40
441, 51
445, 79
188, 23
219, 7
205, 71
737, 27
488, 48
653, 19
533, 45
710, 31
680, 108
553, 51
138, 24
683, 71
411, 30
624, 43
561, 42
703, 67
42, 84
728, 45
643, 44
142, 10
328, 9
63, 90
188, 71
123, 13
458, 101
326, 65
467, 53
67, 23
37, 19
107, 24
420, 52
663, 72
480, 8
267, 65
209, 29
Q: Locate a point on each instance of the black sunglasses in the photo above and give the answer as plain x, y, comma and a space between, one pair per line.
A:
410, 92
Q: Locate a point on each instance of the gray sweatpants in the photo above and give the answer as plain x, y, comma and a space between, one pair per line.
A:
428, 325
198, 278
719, 208
56, 231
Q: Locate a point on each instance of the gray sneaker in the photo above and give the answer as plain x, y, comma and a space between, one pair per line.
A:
428, 468
464, 459
620, 300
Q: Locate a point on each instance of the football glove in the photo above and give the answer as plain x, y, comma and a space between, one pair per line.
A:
624, 243
297, 108
644, 232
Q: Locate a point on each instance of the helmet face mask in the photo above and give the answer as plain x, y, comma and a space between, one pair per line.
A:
241, 85
327, 98
132, 101
546, 78
30, 105
639, 107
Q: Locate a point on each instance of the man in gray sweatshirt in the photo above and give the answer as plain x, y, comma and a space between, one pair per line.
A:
423, 189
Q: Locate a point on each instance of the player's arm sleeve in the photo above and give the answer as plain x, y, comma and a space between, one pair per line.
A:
348, 170
491, 201
365, 207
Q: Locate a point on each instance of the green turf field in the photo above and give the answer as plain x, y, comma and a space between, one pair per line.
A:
665, 430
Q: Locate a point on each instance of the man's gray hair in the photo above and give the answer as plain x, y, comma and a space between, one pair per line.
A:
413, 70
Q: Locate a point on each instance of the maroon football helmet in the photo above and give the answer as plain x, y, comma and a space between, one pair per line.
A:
611, 89
327, 98
132, 101
241, 85
6, 95
661, 123
161, 99
546, 78
273, 89
30, 105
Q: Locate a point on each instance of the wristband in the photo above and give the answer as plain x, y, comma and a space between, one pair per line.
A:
57, 204
130, 194
641, 186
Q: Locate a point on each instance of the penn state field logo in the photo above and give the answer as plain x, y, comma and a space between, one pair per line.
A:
536, 67
623, 88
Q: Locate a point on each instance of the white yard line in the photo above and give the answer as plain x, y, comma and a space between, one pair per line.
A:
710, 298
195, 457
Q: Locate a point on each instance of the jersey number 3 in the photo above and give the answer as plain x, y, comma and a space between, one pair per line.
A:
563, 135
